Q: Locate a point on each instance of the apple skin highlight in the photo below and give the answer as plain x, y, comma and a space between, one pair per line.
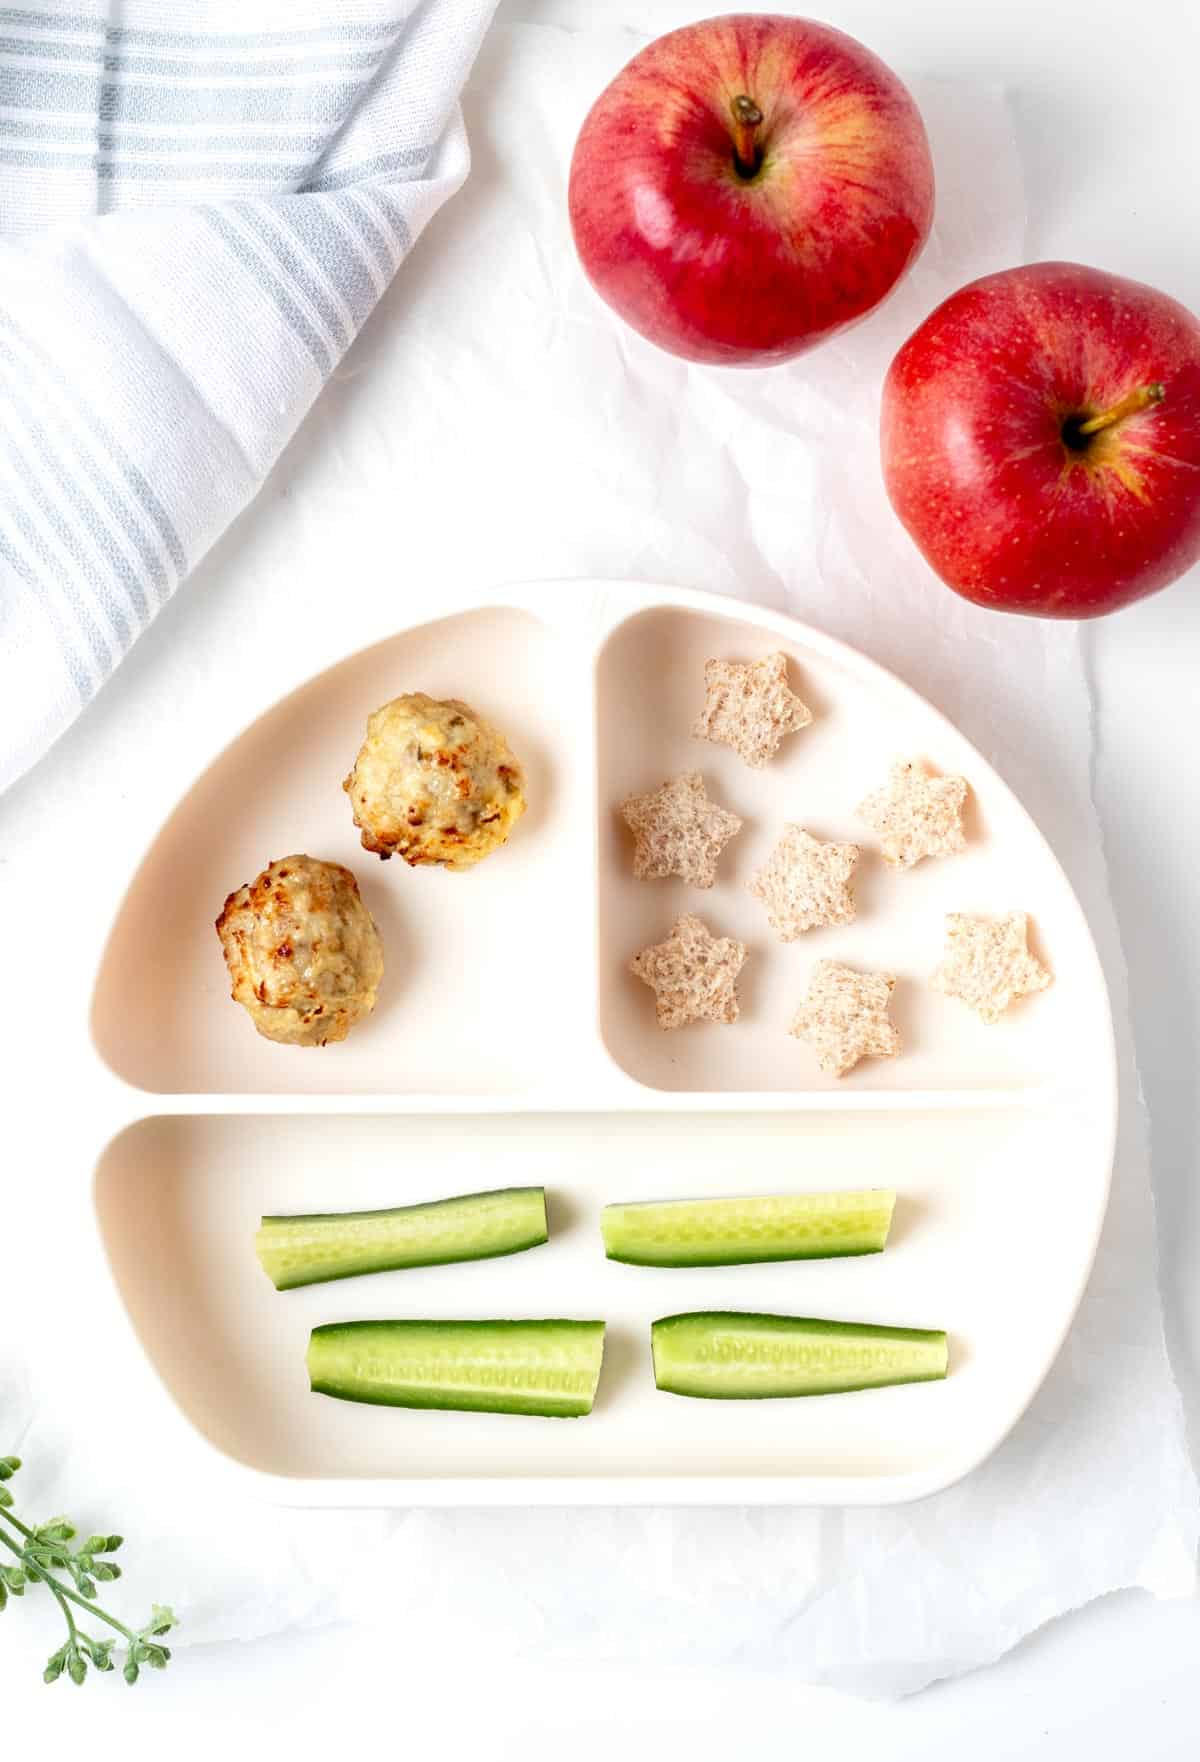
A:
985, 462
736, 260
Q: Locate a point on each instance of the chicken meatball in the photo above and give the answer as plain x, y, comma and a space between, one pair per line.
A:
302, 951
434, 783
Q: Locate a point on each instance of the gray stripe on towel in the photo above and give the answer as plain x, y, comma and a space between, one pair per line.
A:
101, 653
403, 159
357, 209
259, 218
136, 139
81, 677
160, 39
104, 170
274, 289
67, 533
387, 201
343, 264
125, 517
109, 60
32, 88
139, 486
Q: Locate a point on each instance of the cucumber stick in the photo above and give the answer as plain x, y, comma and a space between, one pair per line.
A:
543, 1367
726, 1355
308, 1250
732, 1232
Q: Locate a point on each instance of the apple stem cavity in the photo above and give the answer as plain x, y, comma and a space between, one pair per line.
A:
1140, 398
747, 120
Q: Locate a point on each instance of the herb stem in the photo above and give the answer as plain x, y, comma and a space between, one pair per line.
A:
55, 1586
92, 1608
42, 1552
9, 1543
7, 1515
56, 1591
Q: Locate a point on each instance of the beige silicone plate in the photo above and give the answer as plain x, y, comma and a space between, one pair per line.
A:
512, 1045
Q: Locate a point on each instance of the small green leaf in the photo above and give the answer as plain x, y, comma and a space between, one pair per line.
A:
162, 1619
3, 1596
76, 1667
6, 1497
86, 1587
57, 1529
157, 1657
105, 1569
54, 1665
99, 1651
114, 1542
94, 1545
14, 1578
8, 1467
130, 1672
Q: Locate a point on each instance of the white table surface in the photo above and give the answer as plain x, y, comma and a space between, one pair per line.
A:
1105, 101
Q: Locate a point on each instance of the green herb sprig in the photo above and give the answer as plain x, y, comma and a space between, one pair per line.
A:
44, 1555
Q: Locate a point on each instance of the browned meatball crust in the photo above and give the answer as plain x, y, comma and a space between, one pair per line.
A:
434, 783
302, 951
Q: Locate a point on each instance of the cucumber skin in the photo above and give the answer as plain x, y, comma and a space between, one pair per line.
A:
329, 1373
270, 1242
615, 1221
692, 1376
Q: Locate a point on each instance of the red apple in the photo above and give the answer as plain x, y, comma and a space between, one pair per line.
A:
749, 185
1041, 440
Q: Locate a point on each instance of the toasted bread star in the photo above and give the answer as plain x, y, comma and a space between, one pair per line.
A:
806, 882
916, 815
750, 707
678, 831
693, 974
987, 963
844, 1017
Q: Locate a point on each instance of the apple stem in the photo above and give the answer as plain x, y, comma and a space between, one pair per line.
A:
1138, 399
747, 119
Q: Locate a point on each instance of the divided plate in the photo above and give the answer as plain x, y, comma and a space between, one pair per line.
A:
511, 1045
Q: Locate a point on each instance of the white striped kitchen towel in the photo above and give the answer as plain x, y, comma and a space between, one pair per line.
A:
200, 203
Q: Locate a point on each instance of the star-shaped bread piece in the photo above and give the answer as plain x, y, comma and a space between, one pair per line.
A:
693, 974
678, 831
917, 815
806, 882
987, 962
750, 707
844, 1017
